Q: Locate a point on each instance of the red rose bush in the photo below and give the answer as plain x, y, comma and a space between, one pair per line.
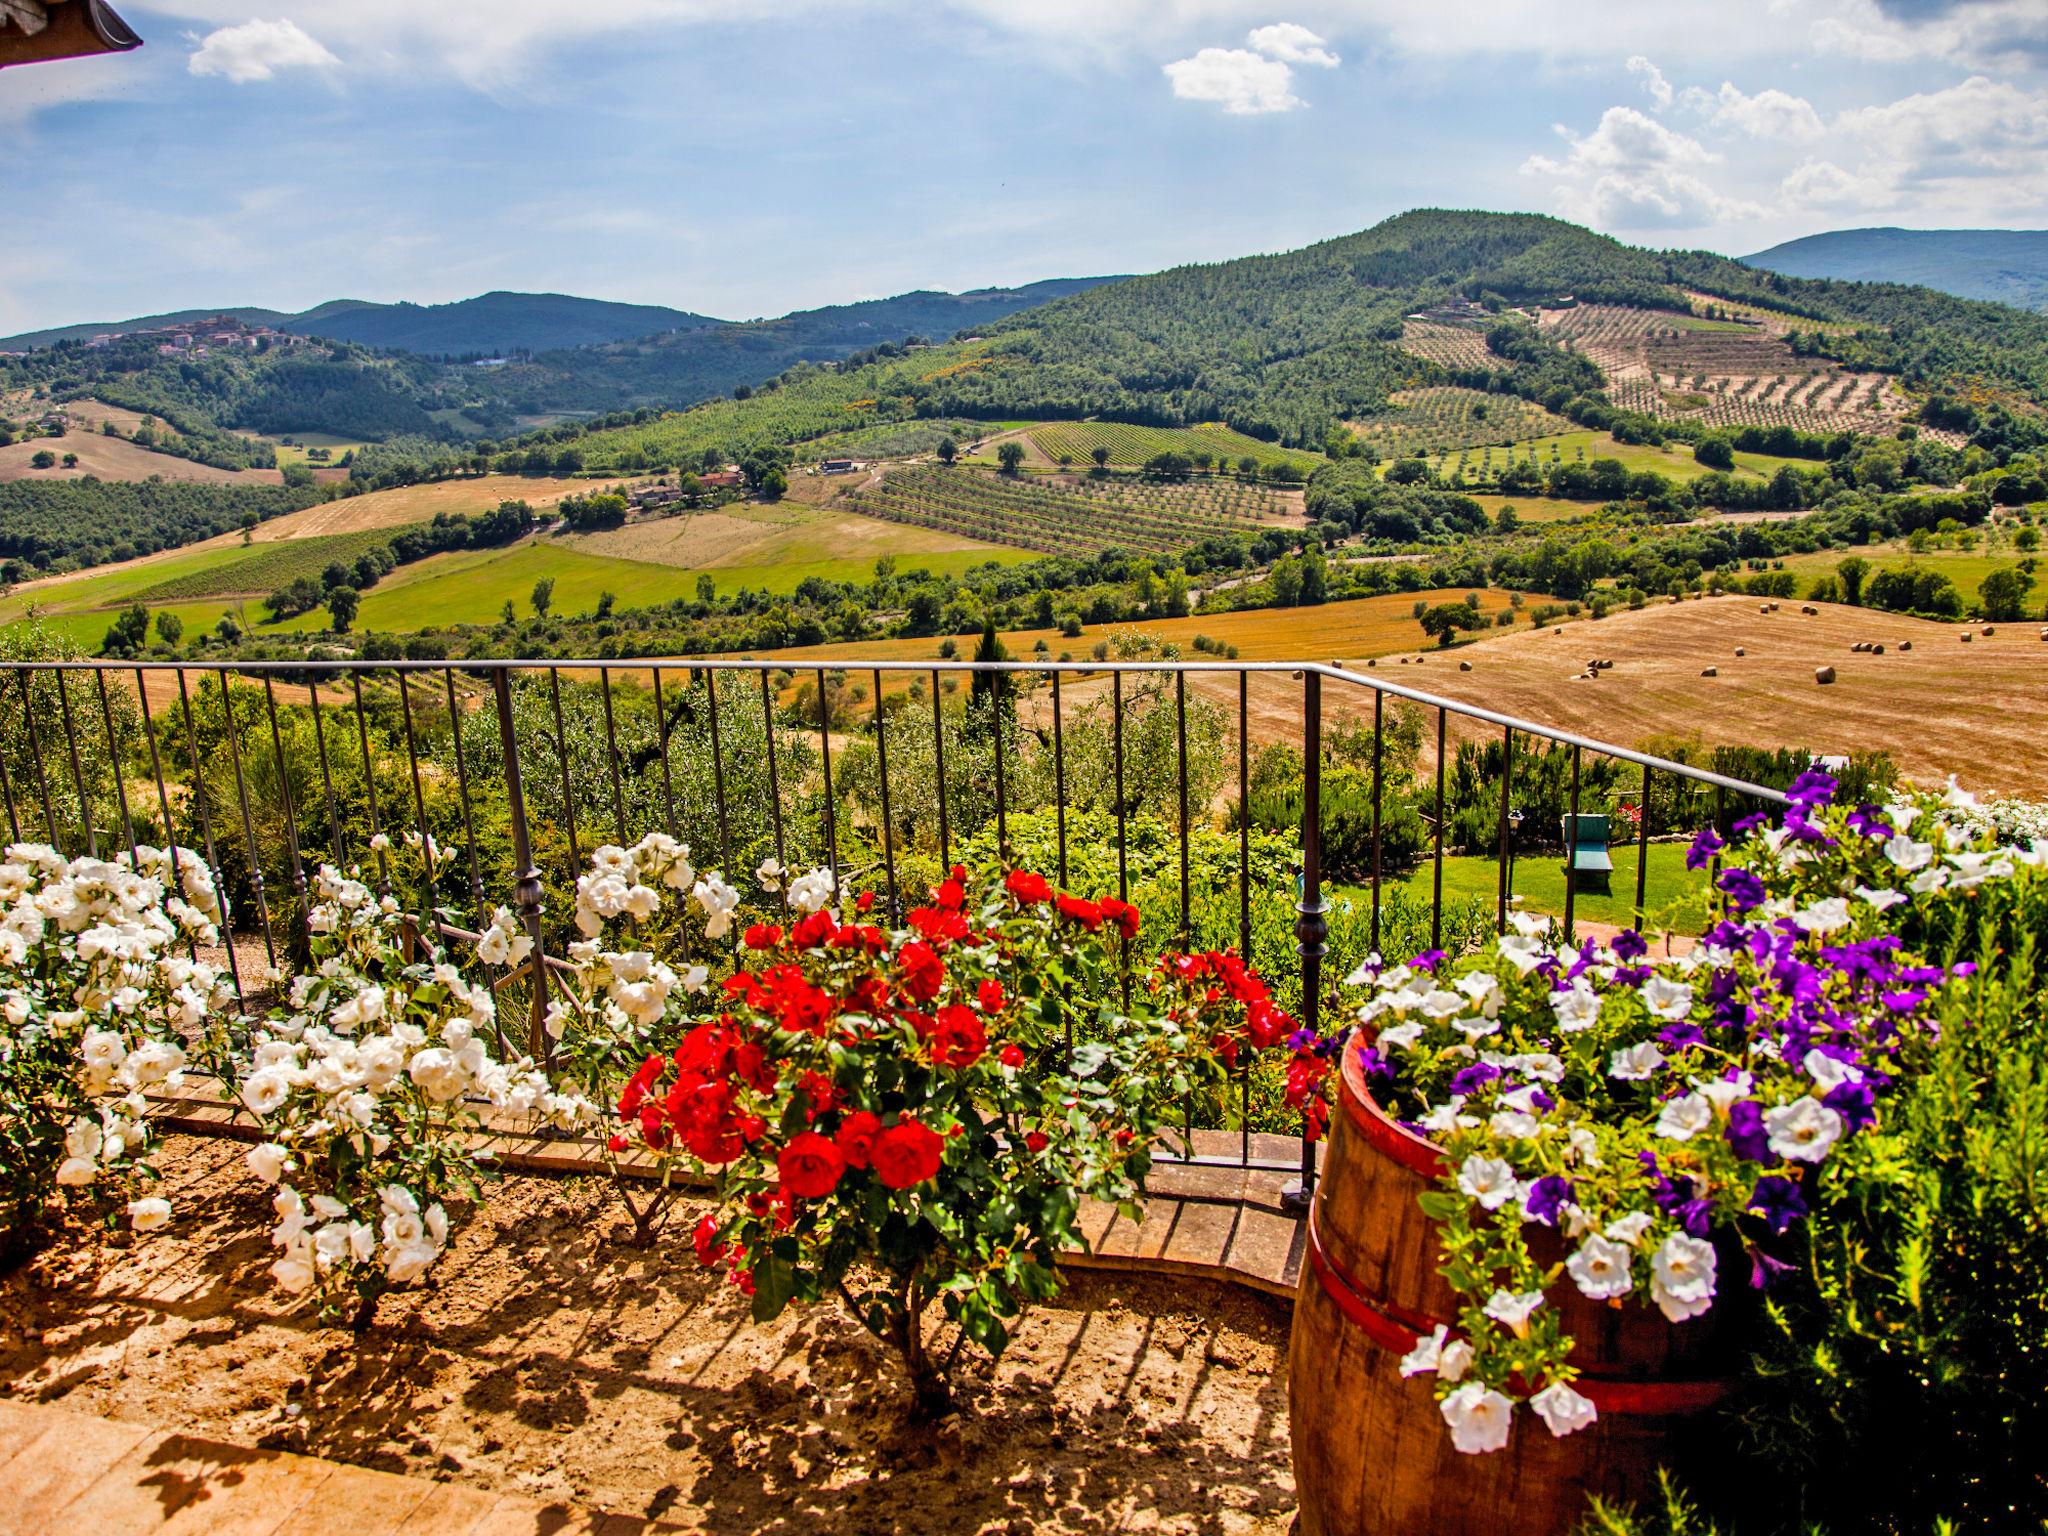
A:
910, 1118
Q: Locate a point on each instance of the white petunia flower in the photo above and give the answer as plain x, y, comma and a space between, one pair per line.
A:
1630, 1228
1479, 1418
1682, 1273
1562, 1410
1802, 1131
1685, 1117
1577, 1007
1882, 900
1823, 916
1488, 1180
1907, 854
1667, 999
1635, 1063
1600, 1268
1512, 1310
1427, 1352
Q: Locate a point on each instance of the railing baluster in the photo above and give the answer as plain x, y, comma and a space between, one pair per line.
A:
1436, 900
825, 767
476, 878
35, 753
254, 858
1642, 850
611, 747
526, 893
220, 885
1311, 928
1123, 866
1507, 774
1244, 818
1571, 852
718, 771
1379, 721
568, 783
888, 823
774, 784
156, 769
419, 797
668, 789
999, 707
291, 815
326, 774
939, 753
1059, 777
7, 792
370, 785
1180, 711
92, 841
114, 760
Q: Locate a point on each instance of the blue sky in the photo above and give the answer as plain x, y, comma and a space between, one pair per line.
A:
743, 158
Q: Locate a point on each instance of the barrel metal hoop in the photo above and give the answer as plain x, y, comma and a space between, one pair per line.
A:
1395, 1328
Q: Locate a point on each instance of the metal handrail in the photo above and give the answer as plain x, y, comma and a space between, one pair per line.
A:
247, 750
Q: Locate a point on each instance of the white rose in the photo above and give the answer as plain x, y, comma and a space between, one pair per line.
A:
268, 1161
149, 1214
77, 1171
265, 1090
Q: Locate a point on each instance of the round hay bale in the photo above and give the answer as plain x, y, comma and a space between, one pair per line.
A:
1987, 631
1763, 607
1740, 651
1859, 647
1877, 649
1710, 672
1464, 666
1808, 608
1372, 661
1907, 645
1559, 630
1824, 675
1966, 637
1774, 607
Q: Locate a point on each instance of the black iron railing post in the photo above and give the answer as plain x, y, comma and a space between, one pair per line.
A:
1507, 850
1642, 849
526, 893
1311, 928
1571, 855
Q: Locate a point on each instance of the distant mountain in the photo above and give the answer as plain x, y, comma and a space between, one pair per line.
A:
491, 323
2009, 266
682, 367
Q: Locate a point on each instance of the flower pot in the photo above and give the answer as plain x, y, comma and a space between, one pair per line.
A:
1372, 1453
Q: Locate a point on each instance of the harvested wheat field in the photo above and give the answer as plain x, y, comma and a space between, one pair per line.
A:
549, 1359
115, 458
1979, 710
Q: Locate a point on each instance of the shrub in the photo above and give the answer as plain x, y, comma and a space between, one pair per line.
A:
96, 1007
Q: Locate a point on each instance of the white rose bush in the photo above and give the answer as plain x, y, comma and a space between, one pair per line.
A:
101, 1004
1665, 1124
370, 1089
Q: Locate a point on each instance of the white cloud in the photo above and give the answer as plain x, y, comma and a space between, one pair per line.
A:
257, 50
1821, 184
1654, 83
1632, 172
1974, 33
1769, 114
1293, 43
1240, 81
1249, 81
1981, 127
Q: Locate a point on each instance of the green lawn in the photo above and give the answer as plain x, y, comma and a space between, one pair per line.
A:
1966, 570
1673, 895
1674, 460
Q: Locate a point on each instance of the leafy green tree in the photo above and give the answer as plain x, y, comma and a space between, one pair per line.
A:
543, 596
43, 459
1715, 453
2003, 594
169, 627
1100, 454
707, 588
948, 450
1010, 455
342, 603
1852, 571
1444, 620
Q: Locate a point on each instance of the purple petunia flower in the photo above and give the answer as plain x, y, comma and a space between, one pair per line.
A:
1811, 788
1630, 945
1763, 1269
1854, 1102
1778, 1201
1547, 1196
1428, 960
1469, 1080
1867, 821
1704, 847
1750, 823
1379, 1072
1742, 888
1746, 1134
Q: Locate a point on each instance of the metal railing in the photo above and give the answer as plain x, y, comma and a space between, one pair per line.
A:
484, 755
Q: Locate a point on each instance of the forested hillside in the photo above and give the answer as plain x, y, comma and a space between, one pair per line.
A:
491, 324
54, 526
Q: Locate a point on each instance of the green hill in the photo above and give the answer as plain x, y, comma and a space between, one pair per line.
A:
2009, 266
491, 324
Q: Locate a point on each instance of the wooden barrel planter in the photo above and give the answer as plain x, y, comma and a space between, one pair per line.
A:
1372, 1454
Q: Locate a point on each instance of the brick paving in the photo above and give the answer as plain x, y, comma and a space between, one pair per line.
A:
65, 1471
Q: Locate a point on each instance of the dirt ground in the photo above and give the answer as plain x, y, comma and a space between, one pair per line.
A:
550, 1360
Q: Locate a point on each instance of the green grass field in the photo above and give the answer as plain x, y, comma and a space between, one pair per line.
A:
1536, 509
1966, 570
1673, 895
1674, 460
1127, 444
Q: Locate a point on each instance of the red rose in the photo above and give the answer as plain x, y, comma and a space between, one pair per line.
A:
705, 1239
1121, 913
949, 895
812, 929
1028, 888
864, 902
923, 971
762, 936
957, 1038
1012, 1056
939, 926
856, 1138
1035, 1142
636, 1090
810, 1166
907, 1153
989, 993
1086, 913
